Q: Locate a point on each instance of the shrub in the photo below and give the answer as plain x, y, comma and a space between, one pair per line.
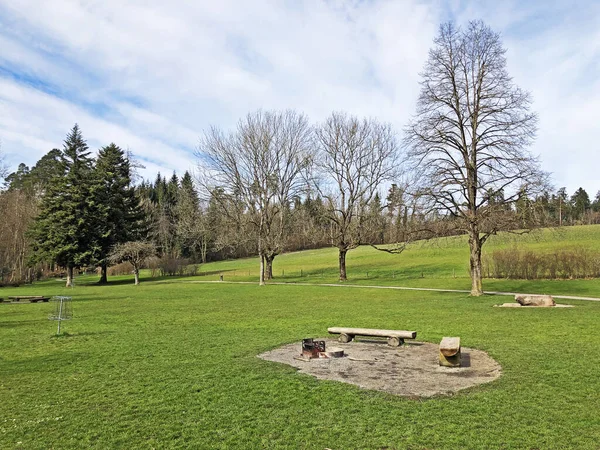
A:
124, 268
171, 266
514, 263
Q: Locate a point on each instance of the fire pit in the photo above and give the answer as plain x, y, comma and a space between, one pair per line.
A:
412, 370
316, 349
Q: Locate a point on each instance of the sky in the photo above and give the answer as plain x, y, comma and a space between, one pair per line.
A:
151, 76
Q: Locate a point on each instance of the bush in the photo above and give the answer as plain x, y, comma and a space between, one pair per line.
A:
124, 268
569, 263
153, 263
171, 266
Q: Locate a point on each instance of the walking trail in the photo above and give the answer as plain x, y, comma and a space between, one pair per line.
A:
400, 288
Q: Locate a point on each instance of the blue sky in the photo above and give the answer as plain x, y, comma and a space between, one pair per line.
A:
151, 76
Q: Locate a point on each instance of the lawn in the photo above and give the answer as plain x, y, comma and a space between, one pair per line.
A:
171, 364
441, 263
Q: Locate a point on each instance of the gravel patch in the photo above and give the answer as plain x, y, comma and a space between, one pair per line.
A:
411, 370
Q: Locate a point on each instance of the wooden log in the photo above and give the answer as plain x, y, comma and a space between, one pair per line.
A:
395, 341
402, 334
335, 352
345, 338
450, 352
535, 300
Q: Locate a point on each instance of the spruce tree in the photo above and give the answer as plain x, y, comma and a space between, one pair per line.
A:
118, 213
189, 225
62, 232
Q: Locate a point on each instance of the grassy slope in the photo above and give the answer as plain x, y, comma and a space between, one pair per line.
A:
171, 364
442, 263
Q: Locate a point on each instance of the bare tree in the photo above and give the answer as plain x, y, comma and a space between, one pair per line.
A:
258, 167
135, 252
470, 135
354, 158
18, 213
3, 166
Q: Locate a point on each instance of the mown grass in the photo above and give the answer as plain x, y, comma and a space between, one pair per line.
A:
173, 364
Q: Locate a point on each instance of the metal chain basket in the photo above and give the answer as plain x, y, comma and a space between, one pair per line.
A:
63, 310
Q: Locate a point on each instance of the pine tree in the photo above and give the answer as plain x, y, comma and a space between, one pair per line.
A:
190, 225
62, 232
118, 212
580, 202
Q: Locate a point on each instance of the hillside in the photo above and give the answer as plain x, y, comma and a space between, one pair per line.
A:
440, 263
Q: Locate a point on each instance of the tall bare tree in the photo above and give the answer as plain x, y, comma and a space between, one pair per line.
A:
470, 135
355, 156
259, 166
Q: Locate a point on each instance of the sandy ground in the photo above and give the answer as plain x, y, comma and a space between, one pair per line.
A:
411, 370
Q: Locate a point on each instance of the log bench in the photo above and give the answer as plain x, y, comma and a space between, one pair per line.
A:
395, 338
450, 352
31, 298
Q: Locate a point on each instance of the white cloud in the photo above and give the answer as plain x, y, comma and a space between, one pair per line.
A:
154, 75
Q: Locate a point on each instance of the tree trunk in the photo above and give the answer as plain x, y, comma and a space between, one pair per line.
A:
269, 267
69, 276
475, 261
103, 271
342, 260
136, 275
261, 279
203, 250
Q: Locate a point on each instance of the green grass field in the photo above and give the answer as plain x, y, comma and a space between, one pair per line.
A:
172, 364
441, 263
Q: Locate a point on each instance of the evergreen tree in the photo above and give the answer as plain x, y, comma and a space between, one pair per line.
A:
190, 224
45, 170
596, 203
62, 232
118, 213
18, 180
581, 203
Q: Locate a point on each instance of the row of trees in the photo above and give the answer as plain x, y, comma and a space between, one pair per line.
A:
70, 209
277, 182
466, 160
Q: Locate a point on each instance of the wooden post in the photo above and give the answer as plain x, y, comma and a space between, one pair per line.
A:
450, 352
345, 337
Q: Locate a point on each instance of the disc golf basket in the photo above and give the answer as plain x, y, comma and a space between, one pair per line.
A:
63, 310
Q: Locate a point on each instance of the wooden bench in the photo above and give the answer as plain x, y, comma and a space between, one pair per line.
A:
31, 298
395, 338
450, 352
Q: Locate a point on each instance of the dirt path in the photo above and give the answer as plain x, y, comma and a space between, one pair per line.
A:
402, 288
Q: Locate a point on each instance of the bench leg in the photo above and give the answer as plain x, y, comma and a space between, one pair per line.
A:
395, 341
345, 338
